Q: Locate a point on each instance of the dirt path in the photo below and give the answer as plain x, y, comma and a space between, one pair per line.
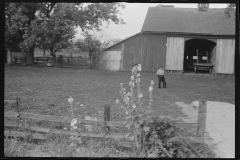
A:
220, 126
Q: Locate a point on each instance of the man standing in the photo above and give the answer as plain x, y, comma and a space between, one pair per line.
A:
161, 78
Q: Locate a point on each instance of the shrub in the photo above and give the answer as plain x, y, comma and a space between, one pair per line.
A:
153, 136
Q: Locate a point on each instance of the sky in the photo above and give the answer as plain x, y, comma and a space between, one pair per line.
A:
134, 15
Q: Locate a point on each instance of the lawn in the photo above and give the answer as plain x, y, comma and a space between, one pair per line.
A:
45, 90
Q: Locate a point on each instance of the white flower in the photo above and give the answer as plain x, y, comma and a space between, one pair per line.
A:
150, 88
128, 94
132, 77
140, 95
74, 121
152, 83
138, 80
126, 99
134, 106
138, 74
70, 100
81, 105
117, 101
130, 83
133, 84
74, 127
126, 112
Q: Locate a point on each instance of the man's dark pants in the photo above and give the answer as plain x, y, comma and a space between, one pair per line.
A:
161, 78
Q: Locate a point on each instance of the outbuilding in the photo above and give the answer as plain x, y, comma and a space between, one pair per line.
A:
174, 38
13, 52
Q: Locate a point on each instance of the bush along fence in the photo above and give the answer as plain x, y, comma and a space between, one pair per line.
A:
29, 130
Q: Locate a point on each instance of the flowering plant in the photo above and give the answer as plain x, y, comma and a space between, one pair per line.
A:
137, 119
75, 139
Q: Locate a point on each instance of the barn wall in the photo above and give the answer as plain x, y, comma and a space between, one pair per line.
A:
149, 50
175, 53
225, 56
110, 60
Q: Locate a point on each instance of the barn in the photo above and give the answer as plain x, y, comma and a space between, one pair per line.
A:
174, 38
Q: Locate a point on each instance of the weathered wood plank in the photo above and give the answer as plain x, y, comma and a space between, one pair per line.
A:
188, 139
23, 134
10, 114
64, 132
10, 103
185, 125
201, 119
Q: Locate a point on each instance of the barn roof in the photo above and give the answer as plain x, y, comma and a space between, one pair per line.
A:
123, 40
188, 20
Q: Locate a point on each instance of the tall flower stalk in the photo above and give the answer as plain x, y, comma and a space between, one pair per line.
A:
137, 119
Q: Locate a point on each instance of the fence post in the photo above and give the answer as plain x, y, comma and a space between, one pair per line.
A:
201, 120
18, 104
107, 115
60, 59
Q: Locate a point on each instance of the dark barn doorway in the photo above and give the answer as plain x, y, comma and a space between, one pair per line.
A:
192, 46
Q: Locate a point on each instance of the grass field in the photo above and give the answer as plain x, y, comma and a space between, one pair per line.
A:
45, 90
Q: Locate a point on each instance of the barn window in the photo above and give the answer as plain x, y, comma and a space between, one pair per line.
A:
194, 57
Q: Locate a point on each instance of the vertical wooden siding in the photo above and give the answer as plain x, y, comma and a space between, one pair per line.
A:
110, 60
147, 49
175, 53
225, 56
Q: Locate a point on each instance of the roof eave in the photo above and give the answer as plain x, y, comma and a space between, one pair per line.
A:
188, 33
122, 40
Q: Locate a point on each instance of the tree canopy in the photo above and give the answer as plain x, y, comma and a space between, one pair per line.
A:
51, 25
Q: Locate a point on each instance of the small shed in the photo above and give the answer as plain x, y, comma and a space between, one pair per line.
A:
12, 52
171, 37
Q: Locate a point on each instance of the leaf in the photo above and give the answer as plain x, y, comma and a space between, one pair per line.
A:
128, 117
146, 128
131, 137
127, 135
141, 121
128, 125
137, 125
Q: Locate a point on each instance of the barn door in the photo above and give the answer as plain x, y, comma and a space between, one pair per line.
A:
112, 60
225, 56
175, 53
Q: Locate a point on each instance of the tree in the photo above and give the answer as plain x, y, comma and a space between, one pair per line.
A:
36, 24
89, 44
230, 11
21, 22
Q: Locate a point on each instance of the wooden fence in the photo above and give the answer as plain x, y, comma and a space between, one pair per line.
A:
23, 120
61, 61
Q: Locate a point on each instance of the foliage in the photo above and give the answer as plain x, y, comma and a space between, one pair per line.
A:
51, 25
89, 44
230, 11
164, 140
153, 136
138, 116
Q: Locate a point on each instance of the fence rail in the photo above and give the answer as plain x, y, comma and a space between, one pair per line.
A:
61, 61
27, 117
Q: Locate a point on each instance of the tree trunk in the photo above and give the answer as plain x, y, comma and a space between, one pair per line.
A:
30, 56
